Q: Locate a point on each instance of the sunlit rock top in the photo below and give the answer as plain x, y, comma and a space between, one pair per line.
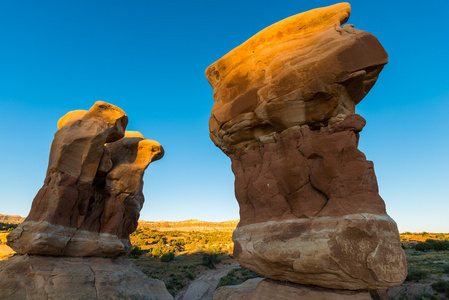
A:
303, 70
92, 193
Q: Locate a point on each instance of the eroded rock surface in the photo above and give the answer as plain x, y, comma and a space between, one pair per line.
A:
284, 112
81, 218
92, 193
304, 70
266, 289
46, 277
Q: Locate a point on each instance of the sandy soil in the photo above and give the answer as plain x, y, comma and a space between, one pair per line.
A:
203, 287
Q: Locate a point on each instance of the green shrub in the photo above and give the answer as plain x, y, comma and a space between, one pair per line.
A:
441, 286
190, 275
432, 245
425, 295
210, 259
440, 236
415, 275
136, 252
157, 251
167, 257
237, 276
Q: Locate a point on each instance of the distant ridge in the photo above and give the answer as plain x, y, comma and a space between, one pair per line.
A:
189, 225
11, 219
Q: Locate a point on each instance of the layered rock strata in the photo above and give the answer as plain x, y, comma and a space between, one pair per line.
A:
47, 277
284, 112
81, 218
267, 289
92, 193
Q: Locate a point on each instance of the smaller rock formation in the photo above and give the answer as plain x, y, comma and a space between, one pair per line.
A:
88, 206
92, 194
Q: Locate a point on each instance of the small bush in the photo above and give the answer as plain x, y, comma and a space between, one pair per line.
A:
415, 275
237, 276
425, 295
441, 286
190, 275
432, 245
157, 251
445, 268
167, 257
210, 259
136, 252
441, 236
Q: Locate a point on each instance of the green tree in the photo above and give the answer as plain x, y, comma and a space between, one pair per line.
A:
168, 256
136, 252
210, 259
157, 251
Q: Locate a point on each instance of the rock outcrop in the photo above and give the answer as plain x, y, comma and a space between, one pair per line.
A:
266, 289
92, 194
88, 206
47, 277
284, 112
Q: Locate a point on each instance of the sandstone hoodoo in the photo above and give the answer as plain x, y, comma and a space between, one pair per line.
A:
284, 112
88, 206
92, 194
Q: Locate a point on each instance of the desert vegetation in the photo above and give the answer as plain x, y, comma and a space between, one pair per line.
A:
409, 237
7, 227
178, 256
237, 276
428, 266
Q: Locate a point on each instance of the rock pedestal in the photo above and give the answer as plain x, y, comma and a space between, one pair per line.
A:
284, 112
49, 277
88, 206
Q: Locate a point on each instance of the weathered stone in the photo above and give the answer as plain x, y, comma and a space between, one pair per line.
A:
92, 194
257, 289
47, 277
236, 292
310, 211
305, 69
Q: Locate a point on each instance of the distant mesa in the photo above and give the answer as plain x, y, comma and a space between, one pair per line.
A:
284, 112
84, 213
11, 219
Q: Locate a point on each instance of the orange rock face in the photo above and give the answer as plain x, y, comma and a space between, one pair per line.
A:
304, 70
284, 112
92, 194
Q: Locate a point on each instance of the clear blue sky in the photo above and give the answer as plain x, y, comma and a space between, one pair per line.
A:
148, 57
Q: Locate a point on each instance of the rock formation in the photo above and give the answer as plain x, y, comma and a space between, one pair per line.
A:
87, 207
267, 289
48, 277
284, 112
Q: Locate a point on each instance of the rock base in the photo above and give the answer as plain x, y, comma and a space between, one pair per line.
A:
48, 277
352, 252
267, 289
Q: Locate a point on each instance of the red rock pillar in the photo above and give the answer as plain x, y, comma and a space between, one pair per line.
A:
284, 112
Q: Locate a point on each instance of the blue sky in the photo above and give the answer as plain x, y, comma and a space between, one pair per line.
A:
148, 58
